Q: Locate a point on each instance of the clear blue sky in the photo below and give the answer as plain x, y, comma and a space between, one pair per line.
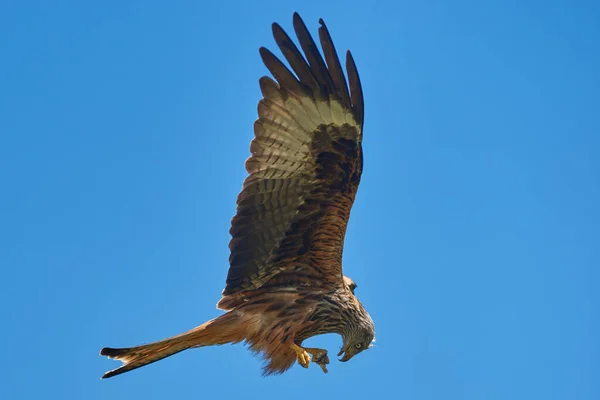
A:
475, 238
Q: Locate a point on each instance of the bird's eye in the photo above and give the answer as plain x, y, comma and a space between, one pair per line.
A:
358, 345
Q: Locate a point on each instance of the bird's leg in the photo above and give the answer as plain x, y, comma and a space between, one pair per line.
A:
319, 357
301, 355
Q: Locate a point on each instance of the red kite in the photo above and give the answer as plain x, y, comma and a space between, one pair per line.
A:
285, 281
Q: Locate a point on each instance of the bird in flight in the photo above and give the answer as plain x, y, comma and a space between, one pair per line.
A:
285, 282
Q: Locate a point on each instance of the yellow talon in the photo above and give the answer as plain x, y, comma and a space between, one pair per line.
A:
301, 355
319, 356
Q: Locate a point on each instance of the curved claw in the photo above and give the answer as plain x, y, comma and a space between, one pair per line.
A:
301, 355
319, 357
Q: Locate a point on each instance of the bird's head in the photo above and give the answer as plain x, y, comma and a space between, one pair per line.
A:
358, 336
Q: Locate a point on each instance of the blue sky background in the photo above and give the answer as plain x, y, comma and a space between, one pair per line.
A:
124, 126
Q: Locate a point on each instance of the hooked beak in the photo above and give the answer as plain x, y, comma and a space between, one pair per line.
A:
348, 354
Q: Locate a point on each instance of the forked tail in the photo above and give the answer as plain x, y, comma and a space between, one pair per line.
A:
221, 330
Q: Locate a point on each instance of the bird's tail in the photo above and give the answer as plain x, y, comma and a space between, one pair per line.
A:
221, 330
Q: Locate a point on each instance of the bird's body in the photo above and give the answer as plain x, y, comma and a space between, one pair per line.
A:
285, 281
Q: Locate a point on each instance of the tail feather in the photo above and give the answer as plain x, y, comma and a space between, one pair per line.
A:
135, 357
221, 330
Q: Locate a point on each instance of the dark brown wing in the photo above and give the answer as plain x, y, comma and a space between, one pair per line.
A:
304, 169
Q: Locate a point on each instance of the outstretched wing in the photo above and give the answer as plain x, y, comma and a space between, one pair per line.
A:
304, 169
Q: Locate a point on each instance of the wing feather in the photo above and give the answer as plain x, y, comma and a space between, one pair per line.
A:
295, 58
356, 94
317, 65
280, 72
333, 64
270, 90
304, 170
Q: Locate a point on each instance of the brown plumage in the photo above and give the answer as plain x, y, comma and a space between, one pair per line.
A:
285, 281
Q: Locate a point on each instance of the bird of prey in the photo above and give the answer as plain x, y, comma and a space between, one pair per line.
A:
285, 282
